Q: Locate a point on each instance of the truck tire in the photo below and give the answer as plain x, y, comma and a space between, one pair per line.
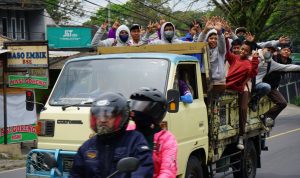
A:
194, 168
248, 163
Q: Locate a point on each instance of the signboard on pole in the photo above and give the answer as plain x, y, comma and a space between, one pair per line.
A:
35, 82
27, 54
69, 37
20, 133
20, 125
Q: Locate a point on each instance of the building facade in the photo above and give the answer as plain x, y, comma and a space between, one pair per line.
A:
23, 20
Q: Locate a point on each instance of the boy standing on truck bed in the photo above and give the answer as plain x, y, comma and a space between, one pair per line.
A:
241, 70
212, 34
98, 156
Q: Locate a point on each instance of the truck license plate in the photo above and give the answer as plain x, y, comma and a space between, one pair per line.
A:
67, 163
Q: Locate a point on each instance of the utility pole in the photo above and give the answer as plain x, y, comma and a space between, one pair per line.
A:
108, 13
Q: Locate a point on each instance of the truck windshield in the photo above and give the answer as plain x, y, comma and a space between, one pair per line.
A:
81, 81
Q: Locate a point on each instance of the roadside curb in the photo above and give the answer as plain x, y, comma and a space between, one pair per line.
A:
11, 164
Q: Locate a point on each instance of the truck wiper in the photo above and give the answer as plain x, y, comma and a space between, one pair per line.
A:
89, 101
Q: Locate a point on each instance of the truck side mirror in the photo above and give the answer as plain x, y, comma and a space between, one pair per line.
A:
29, 100
173, 100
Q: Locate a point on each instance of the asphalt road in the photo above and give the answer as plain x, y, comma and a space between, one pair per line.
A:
281, 161
283, 158
14, 173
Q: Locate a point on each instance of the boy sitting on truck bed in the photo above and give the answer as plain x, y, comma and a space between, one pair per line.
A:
241, 70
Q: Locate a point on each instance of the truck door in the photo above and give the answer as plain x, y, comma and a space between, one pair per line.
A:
189, 125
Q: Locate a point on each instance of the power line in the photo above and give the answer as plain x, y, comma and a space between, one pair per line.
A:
139, 13
168, 15
66, 10
42, 13
115, 10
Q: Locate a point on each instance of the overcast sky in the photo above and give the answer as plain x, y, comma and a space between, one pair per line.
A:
182, 6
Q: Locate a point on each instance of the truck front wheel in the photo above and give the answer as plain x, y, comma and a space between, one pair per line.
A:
248, 163
194, 168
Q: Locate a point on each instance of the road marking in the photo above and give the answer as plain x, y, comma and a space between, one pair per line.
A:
12, 170
284, 133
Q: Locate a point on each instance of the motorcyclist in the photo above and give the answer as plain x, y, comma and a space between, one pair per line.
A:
148, 108
98, 156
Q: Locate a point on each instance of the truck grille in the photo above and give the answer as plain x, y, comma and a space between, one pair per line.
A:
49, 130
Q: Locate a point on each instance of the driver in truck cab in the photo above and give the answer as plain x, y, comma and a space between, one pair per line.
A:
98, 156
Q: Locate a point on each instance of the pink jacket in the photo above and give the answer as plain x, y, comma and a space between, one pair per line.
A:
164, 154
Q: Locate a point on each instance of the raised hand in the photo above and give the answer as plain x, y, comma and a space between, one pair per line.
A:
104, 25
151, 26
116, 24
218, 26
284, 40
226, 26
250, 37
196, 26
209, 25
204, 19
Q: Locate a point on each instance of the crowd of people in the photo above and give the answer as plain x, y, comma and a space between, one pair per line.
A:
236, 61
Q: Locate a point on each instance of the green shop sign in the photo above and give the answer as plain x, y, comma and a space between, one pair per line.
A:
20, 133
18, 81
69, 37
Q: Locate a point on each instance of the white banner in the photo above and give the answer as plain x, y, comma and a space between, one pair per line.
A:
16, 111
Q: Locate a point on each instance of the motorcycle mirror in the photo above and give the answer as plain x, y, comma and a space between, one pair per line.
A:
50, 161
128, 164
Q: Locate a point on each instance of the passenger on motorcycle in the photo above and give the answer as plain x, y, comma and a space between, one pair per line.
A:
148, 108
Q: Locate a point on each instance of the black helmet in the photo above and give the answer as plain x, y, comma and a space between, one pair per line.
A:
148, 106
110, 105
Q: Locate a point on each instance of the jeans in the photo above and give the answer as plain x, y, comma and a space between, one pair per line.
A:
261, 89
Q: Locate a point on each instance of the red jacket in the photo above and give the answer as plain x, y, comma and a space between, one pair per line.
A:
240, 71
164, 154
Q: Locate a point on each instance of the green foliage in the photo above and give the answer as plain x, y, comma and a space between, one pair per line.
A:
296, 101
128, 13
267, 19
142, 12
61, 11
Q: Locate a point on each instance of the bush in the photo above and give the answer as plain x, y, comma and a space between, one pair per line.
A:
296, 101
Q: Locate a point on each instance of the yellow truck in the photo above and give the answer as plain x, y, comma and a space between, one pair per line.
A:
206, 129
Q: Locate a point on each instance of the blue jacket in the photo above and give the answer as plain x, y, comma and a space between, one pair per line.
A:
97, 158
187, 37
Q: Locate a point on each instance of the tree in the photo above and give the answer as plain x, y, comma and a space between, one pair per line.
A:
133, 11
61, 11
261, 17
142, 12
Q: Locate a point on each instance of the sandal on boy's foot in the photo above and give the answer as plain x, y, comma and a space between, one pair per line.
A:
240, 144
